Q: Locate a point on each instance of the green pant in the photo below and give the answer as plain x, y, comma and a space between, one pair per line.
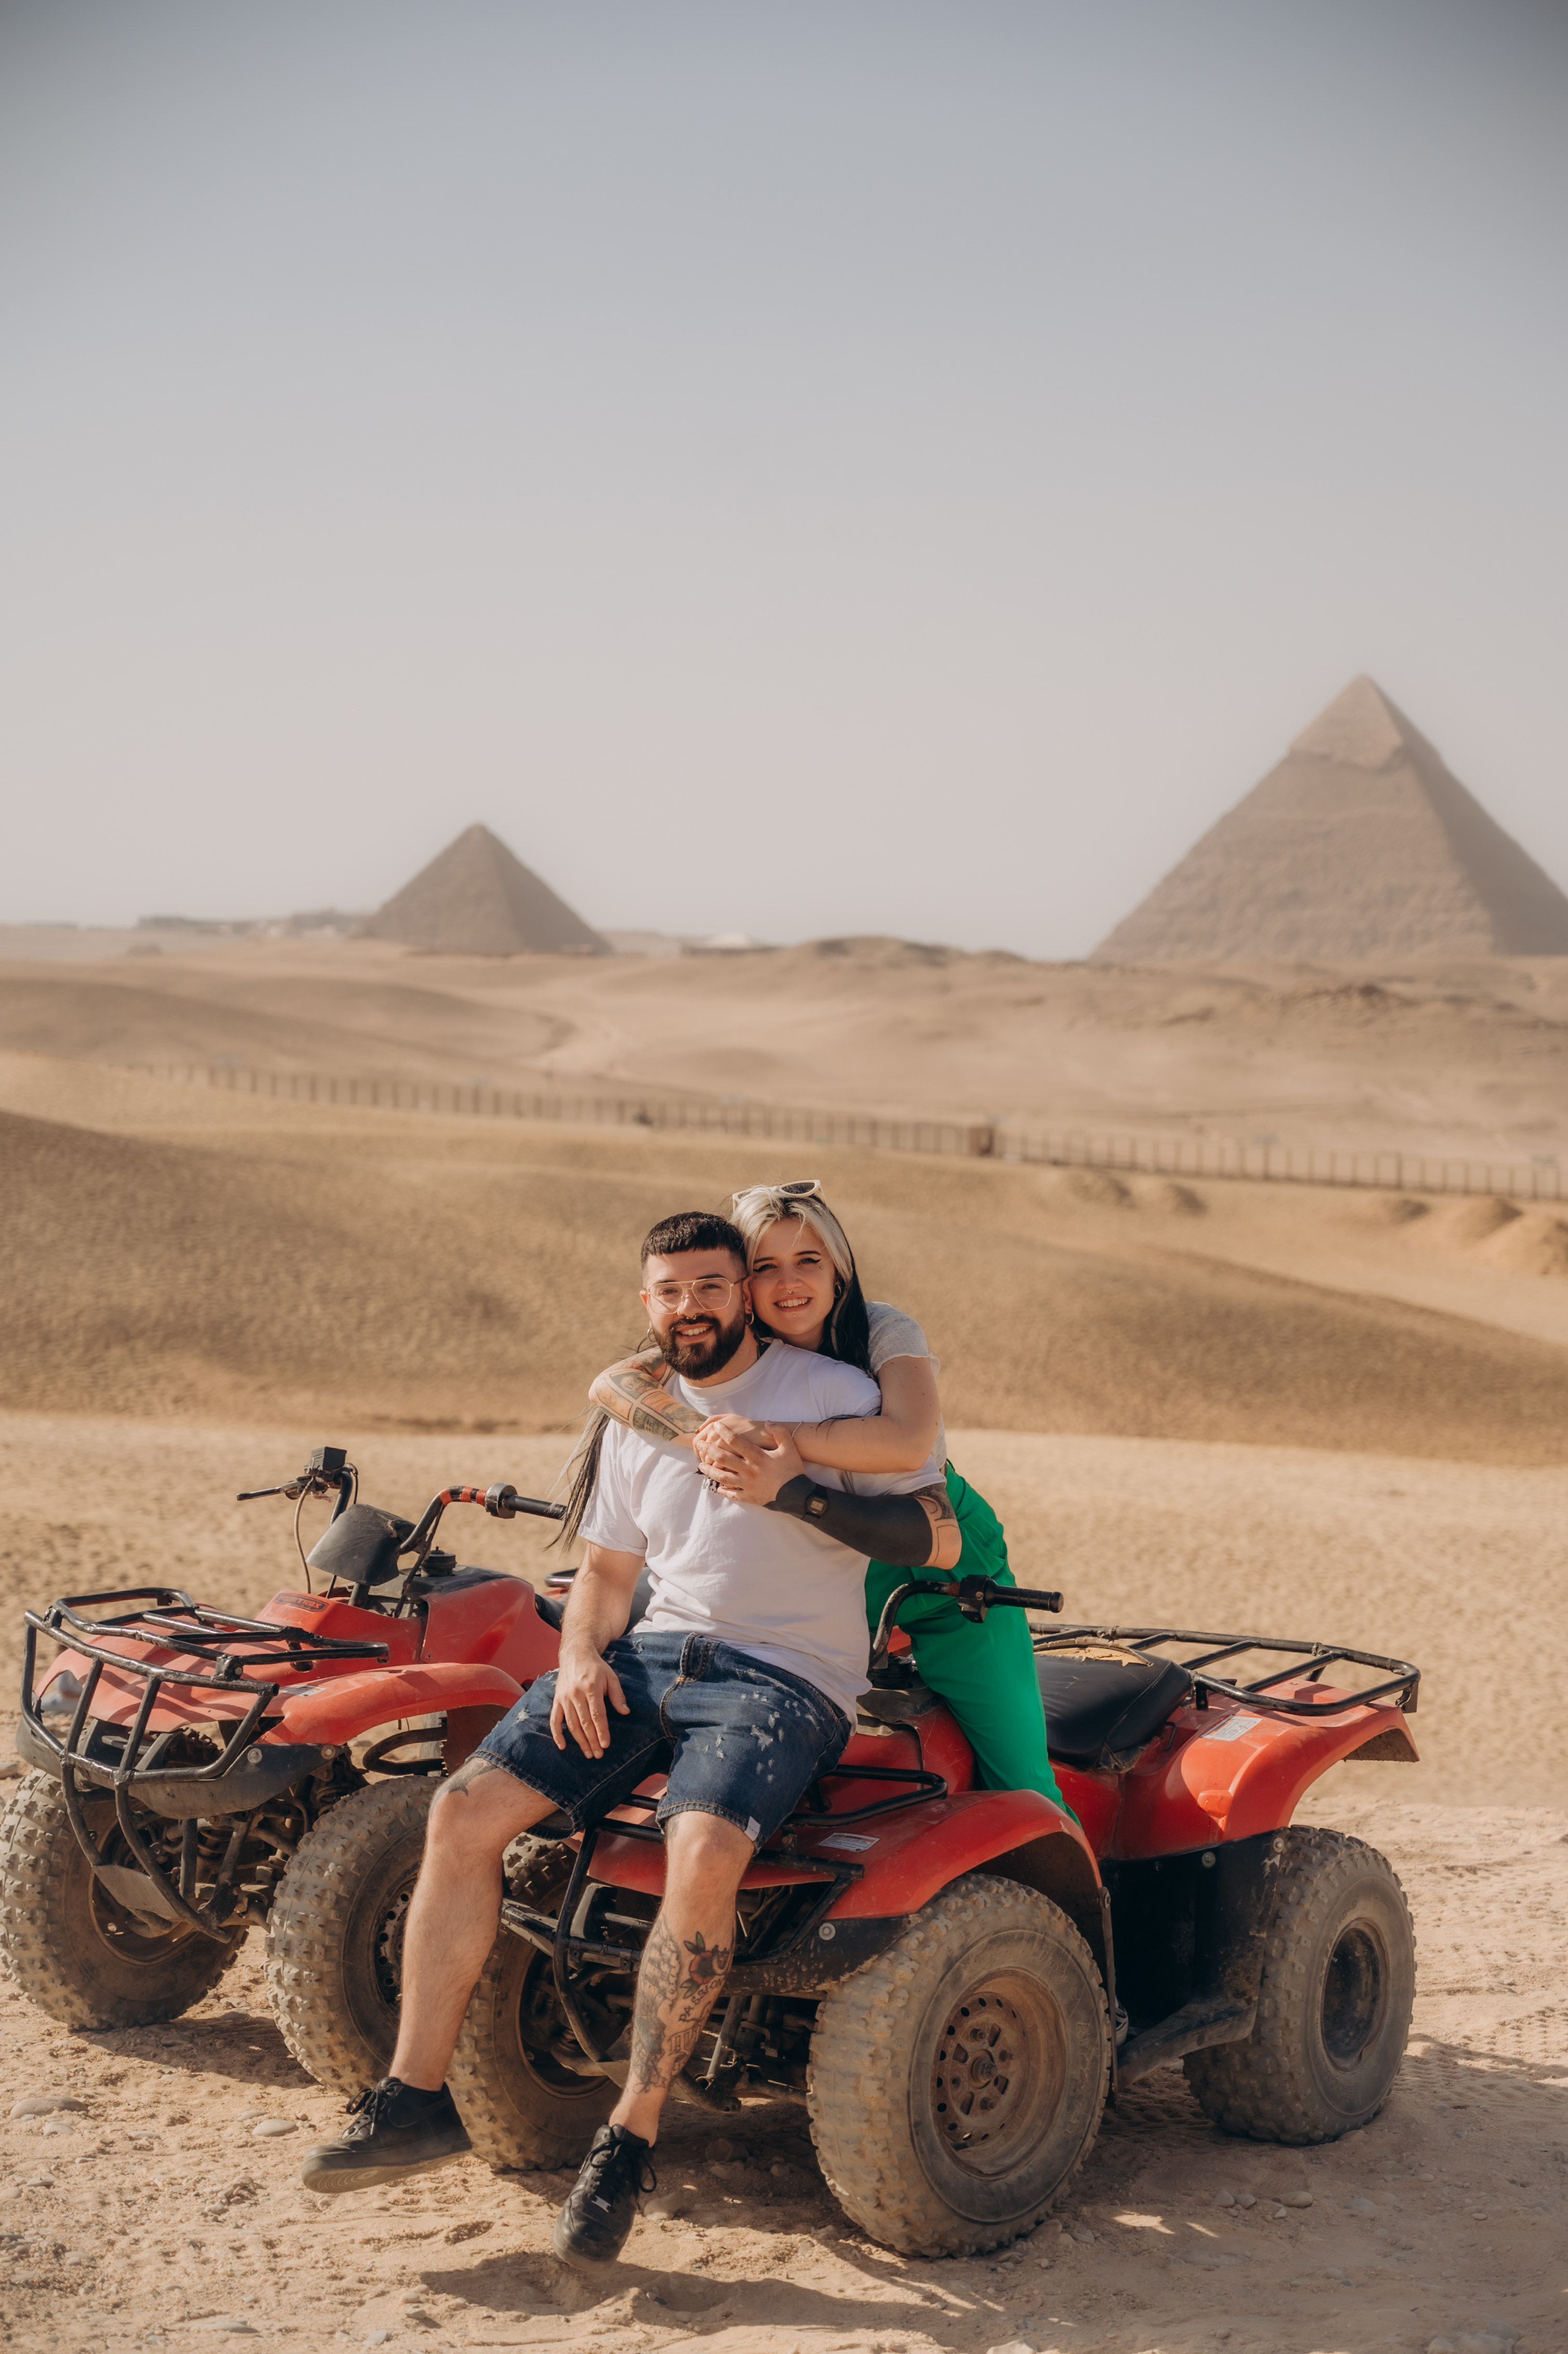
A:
985, 1673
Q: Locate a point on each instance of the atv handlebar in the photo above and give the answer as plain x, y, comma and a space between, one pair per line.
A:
329, 1470
502, 1501
974, 1596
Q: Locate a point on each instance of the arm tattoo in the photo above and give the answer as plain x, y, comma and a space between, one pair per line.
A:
938, 1506
635, 1395
676, 1986
938, 1502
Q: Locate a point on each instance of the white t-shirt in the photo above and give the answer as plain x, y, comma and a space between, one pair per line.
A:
765, 1582
893, 1334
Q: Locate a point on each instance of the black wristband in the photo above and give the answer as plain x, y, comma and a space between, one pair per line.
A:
894, 1529
794, 1497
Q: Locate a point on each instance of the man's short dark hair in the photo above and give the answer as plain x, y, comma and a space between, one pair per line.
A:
693, 1230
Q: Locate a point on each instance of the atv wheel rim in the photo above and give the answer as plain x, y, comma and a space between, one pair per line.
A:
1355, 1990
128, 1937
999, 2072
541, 2022
387, 1951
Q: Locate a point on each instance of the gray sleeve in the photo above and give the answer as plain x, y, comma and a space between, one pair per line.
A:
893, 1334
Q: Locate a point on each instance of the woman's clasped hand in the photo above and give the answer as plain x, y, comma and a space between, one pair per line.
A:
749, 1461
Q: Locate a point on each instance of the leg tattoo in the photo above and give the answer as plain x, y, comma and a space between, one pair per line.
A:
676, 1988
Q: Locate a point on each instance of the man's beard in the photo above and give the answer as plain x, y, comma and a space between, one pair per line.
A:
708, 1355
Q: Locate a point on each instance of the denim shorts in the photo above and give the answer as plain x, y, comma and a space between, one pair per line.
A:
736, 1738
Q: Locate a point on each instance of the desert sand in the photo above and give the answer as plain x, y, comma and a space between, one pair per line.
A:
178, 1251
1465, 1057
1290, 1410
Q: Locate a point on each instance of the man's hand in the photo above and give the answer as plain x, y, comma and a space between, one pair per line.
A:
752, 1470
597, 1611
583, 1682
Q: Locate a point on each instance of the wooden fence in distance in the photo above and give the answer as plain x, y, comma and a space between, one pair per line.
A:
1207, 1157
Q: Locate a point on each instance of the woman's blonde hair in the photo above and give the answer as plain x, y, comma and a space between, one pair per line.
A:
761, 1207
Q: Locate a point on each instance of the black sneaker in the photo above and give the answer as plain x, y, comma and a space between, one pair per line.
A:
593, 2226
397, 2130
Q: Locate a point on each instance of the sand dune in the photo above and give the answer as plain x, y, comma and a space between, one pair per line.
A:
428, 1273
270, 1021
1465, 1059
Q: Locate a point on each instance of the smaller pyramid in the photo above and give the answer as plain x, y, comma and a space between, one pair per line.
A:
1359, 846
478, 899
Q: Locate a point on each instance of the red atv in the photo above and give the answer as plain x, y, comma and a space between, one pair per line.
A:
934, 1969
199, 1773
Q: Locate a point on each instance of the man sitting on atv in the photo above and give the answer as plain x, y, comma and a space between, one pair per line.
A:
741, 1681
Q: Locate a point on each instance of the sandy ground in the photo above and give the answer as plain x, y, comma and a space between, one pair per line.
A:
157, 2207
155, 2213
1457, 1058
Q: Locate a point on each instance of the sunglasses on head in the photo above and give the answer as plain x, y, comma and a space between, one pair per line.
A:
797, 1189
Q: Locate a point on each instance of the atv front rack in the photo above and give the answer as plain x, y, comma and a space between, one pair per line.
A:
176, 1622
1401, 1676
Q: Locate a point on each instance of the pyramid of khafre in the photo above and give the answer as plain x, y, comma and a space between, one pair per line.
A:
1360, 844
477, 899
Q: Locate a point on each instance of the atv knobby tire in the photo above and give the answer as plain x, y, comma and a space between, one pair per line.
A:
334, 1937
956, 2084
522, 2108
1333, 2012
82, 1957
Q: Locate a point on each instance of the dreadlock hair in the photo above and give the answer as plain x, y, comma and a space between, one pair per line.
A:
584, 1469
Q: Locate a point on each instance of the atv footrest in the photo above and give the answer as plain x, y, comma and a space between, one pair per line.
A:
541, 1930
1214, 2019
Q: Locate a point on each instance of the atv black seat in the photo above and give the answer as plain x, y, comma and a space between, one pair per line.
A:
1097, 1711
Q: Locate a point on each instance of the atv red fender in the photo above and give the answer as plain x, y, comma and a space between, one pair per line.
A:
903, 1858
474, 1614
918, 1853
344, 1707
1229, 1774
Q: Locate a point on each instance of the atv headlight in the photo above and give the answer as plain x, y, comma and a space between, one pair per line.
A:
62, 1696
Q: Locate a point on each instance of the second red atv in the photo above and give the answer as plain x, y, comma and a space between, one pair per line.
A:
198, 1773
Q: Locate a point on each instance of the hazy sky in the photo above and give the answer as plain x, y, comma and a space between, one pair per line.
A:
832, 465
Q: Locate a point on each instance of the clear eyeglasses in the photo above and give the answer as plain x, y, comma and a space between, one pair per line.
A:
710, 1291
